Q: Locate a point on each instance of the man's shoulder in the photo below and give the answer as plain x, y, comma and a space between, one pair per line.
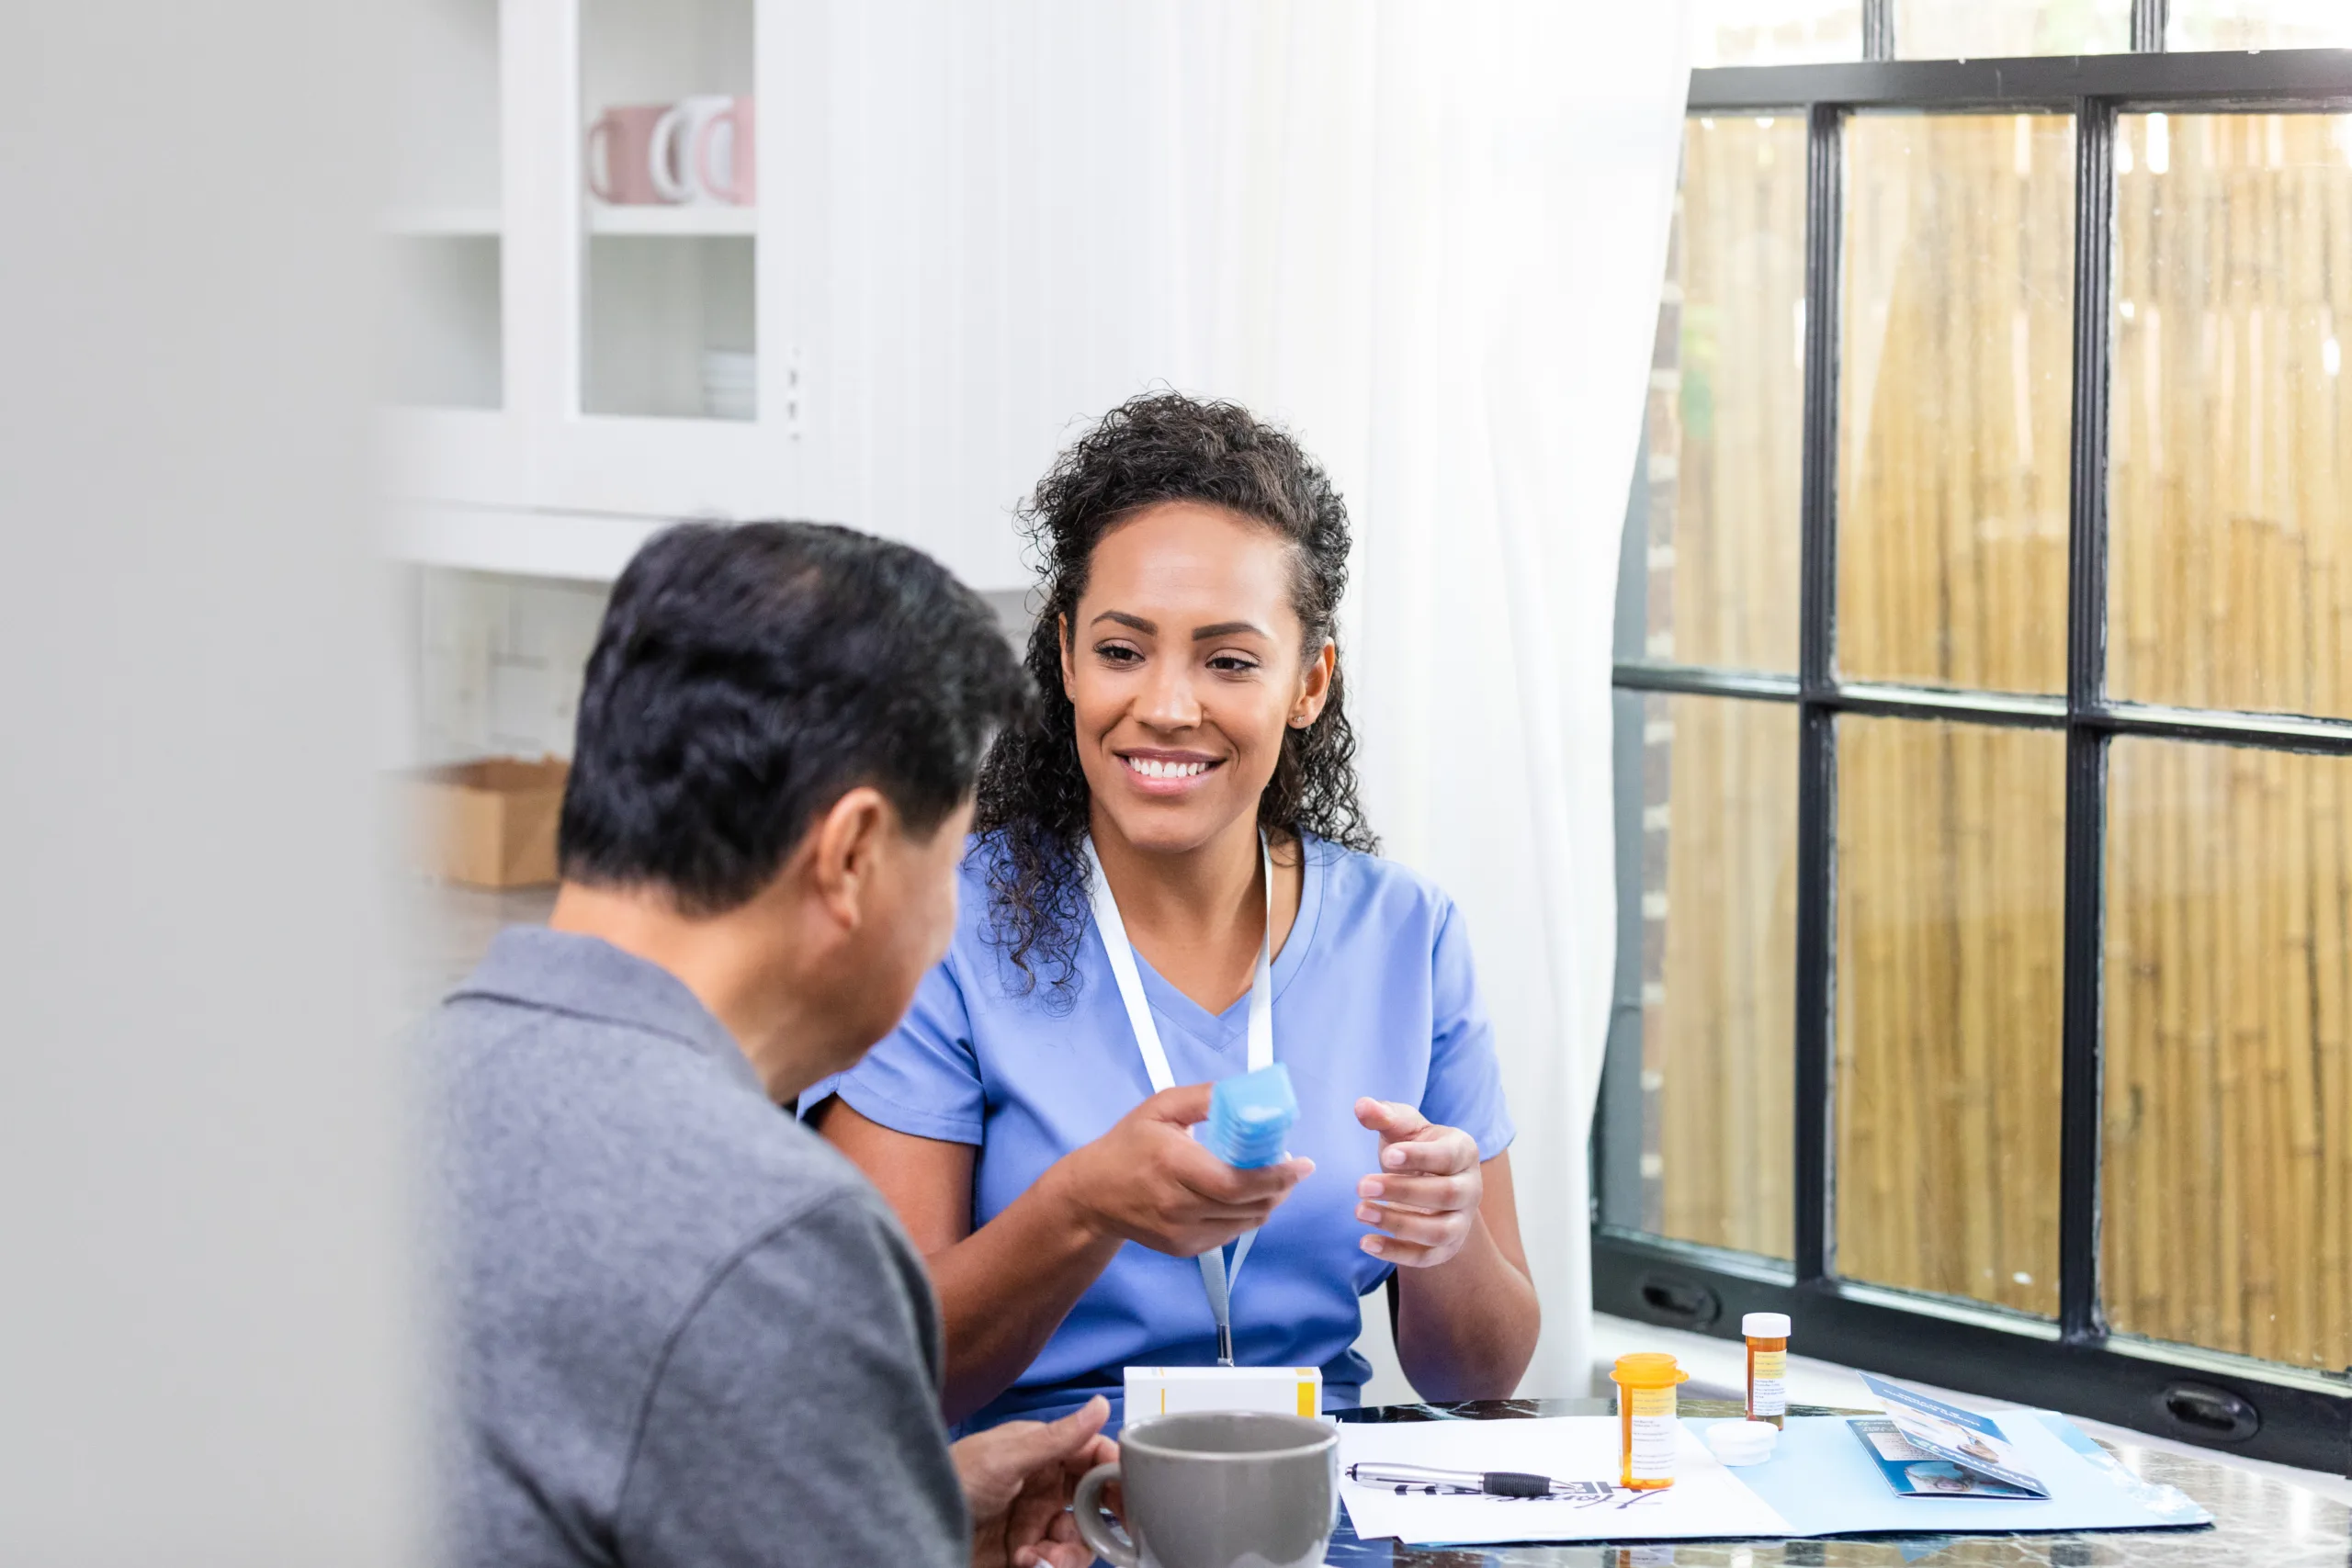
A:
617, 1153
634, 1236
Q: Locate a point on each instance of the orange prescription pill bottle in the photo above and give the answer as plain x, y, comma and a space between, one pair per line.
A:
1645, 1424
1767, 1334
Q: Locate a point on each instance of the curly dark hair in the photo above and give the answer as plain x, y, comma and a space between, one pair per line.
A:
1157, 447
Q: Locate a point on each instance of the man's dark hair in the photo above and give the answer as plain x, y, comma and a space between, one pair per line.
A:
747, 677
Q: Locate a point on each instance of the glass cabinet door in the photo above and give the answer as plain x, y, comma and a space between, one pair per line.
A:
445, 223
668, 204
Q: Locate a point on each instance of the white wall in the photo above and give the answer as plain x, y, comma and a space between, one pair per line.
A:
491, 666
499, 663
207, 1346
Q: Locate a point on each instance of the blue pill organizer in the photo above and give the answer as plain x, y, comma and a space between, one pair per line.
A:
1249, 1116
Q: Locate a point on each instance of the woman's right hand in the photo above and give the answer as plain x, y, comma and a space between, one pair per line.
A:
1147, 1181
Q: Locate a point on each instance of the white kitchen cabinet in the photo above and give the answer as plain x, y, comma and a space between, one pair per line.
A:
441, 222
950, 264
448, 362
609, 312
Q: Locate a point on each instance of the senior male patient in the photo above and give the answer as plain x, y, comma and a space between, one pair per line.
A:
683, 1330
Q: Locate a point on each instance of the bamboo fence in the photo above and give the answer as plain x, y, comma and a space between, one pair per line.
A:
2227, 1121
1730, 969
1954, 393
1724, 432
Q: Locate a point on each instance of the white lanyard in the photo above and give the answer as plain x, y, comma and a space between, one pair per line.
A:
1213, 1279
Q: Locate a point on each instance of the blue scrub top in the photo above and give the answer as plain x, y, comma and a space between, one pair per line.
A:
1373, 995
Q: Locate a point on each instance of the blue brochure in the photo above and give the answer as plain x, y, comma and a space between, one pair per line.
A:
1926, 1448
1825, 1483
1913, 1471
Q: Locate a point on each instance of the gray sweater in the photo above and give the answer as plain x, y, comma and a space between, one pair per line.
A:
684, 1329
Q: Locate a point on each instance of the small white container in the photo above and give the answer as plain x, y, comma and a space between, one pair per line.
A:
1743, 1442
1173, 1391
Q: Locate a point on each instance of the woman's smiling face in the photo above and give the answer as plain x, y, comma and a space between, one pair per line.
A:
1184, 667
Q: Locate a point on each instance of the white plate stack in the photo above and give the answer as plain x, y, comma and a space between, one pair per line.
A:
730, 383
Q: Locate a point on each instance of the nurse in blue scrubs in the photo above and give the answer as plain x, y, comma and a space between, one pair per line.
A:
1176, 847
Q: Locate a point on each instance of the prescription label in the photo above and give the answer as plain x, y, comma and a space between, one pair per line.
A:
1653, 1433
1768, 1384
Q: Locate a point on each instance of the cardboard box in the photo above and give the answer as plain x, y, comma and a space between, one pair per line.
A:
1173, 1391
491, 823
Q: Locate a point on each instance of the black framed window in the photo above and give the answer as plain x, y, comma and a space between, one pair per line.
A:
1984, 731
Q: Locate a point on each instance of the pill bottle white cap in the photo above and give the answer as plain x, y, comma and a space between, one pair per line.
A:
1764, 1326
1743, 1442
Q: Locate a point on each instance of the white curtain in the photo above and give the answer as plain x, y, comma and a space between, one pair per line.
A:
1430, 238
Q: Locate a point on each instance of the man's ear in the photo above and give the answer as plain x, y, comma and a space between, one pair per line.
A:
843, 848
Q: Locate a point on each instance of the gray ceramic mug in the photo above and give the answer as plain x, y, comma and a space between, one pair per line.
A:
1224, 1489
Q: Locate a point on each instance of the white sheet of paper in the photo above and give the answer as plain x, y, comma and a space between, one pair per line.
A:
1705, 1500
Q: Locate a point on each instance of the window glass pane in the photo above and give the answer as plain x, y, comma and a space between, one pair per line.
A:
1988, 29
1728, 396
1776, 32
2228, 1135
1955, 380
2259, 24
1950, 902
2230, 440
1718, 942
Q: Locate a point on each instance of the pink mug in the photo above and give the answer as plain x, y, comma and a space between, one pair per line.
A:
619, 145
727, 154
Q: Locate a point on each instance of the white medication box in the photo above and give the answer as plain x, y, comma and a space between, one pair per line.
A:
1173, 1391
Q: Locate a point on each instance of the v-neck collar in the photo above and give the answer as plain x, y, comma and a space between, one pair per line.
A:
1221, 1031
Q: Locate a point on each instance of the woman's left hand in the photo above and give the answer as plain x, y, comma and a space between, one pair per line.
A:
1427, 1194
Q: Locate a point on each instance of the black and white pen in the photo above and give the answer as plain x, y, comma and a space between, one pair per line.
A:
1469, 1483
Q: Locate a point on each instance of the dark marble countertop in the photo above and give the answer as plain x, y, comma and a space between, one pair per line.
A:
2258, 1521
